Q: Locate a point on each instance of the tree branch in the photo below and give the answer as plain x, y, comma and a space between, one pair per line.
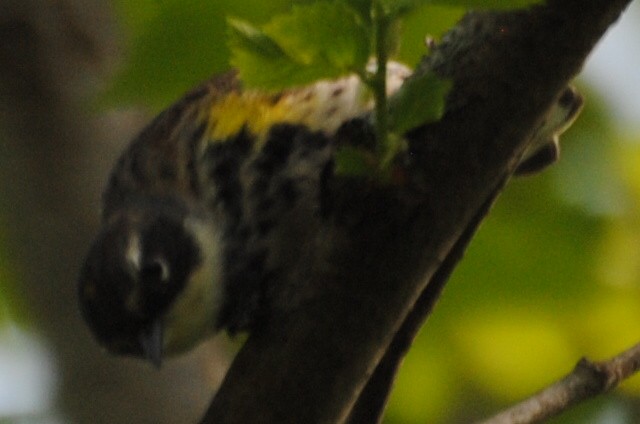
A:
372, 401
379, 246
588, 379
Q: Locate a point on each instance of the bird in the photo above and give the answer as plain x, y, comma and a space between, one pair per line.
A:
219, 197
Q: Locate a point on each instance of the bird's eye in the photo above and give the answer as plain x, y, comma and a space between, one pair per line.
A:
155, 271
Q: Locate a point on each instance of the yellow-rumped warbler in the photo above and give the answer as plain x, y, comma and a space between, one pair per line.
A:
219, 196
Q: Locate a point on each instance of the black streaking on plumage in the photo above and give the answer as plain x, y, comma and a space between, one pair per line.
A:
227, 178
219, 202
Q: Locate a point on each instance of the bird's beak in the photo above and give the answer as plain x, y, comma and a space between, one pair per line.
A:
151, 342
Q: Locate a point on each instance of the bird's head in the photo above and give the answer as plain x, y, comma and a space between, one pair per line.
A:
150, 285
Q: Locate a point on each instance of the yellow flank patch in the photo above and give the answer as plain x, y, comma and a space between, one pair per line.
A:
257, 111
322, 106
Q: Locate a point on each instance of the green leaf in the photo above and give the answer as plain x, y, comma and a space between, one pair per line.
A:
174, 44
420, 100
325, 33
248, 38
273, 74
263, 64
316, 41
350, 161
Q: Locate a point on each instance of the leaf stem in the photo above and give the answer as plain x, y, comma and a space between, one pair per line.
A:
379, 81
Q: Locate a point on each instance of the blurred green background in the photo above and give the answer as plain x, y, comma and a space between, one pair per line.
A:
553, 274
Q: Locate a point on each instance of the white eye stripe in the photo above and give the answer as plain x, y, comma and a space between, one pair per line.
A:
133, 253
133, 256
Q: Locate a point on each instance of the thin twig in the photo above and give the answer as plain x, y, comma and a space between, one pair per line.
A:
587, 380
